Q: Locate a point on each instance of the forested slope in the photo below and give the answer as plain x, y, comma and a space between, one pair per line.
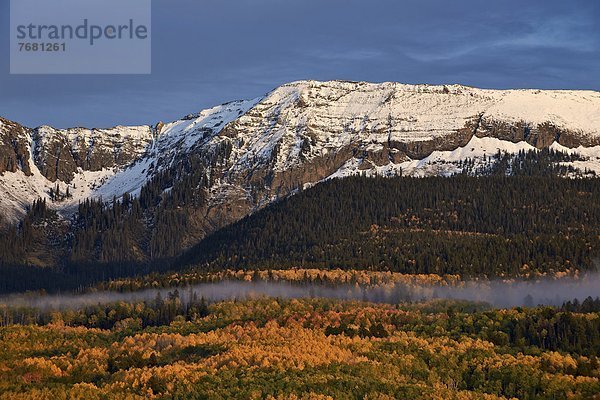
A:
470, 226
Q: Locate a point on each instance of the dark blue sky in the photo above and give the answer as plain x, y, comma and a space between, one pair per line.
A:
206, 52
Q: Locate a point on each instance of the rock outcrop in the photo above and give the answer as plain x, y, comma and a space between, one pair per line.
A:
60, 153
14, 147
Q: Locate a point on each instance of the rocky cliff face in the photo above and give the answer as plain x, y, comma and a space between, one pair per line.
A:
60, 153
14, 147
297, 135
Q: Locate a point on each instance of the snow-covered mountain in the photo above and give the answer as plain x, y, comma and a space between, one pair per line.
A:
295, 136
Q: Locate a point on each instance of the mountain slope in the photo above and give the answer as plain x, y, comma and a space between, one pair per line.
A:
245, 154
529, 226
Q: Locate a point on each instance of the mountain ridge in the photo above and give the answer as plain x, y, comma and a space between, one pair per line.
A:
248, 153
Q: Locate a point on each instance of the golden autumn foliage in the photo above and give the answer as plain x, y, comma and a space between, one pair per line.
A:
338, 276
306, 275
292, 349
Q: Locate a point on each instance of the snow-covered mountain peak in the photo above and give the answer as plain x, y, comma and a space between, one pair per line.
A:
299, 133
306, 120
572, 109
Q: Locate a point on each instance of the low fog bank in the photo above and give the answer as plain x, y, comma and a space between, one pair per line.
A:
497, 293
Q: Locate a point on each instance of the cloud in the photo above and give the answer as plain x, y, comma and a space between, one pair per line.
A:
574, 33
346, 55
210, 52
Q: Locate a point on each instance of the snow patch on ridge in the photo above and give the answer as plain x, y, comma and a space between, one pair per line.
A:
591, 155
446, 163
185, 133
